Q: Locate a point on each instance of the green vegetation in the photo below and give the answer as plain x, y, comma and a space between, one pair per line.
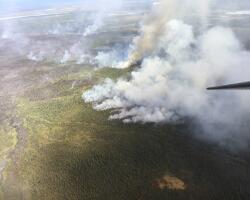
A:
8, 139
74, 152
53, 146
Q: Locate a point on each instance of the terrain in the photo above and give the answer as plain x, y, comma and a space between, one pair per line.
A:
55, 146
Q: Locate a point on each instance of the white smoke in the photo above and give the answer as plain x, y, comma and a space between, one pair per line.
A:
154, 26
111, 59
33, 57
102, 9
7, 33
66, 57
78, 54
97, 24
171, 83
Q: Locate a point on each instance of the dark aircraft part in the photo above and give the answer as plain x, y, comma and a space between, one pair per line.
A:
237, 86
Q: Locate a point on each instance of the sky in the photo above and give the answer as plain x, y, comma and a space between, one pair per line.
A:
15, 5
10, 6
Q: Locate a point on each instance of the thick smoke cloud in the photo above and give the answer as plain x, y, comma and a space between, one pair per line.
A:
154, 26
170, 85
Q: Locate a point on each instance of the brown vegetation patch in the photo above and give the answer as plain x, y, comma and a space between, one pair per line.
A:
170, 182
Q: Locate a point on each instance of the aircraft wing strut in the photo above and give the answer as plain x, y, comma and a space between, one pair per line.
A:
237, 86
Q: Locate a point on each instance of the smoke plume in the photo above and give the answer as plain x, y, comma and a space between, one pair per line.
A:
178, 64
154, 25
102, 9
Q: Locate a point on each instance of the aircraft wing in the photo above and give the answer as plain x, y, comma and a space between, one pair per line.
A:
237, 86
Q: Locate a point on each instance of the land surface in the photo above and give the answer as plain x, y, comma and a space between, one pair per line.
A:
55, 146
